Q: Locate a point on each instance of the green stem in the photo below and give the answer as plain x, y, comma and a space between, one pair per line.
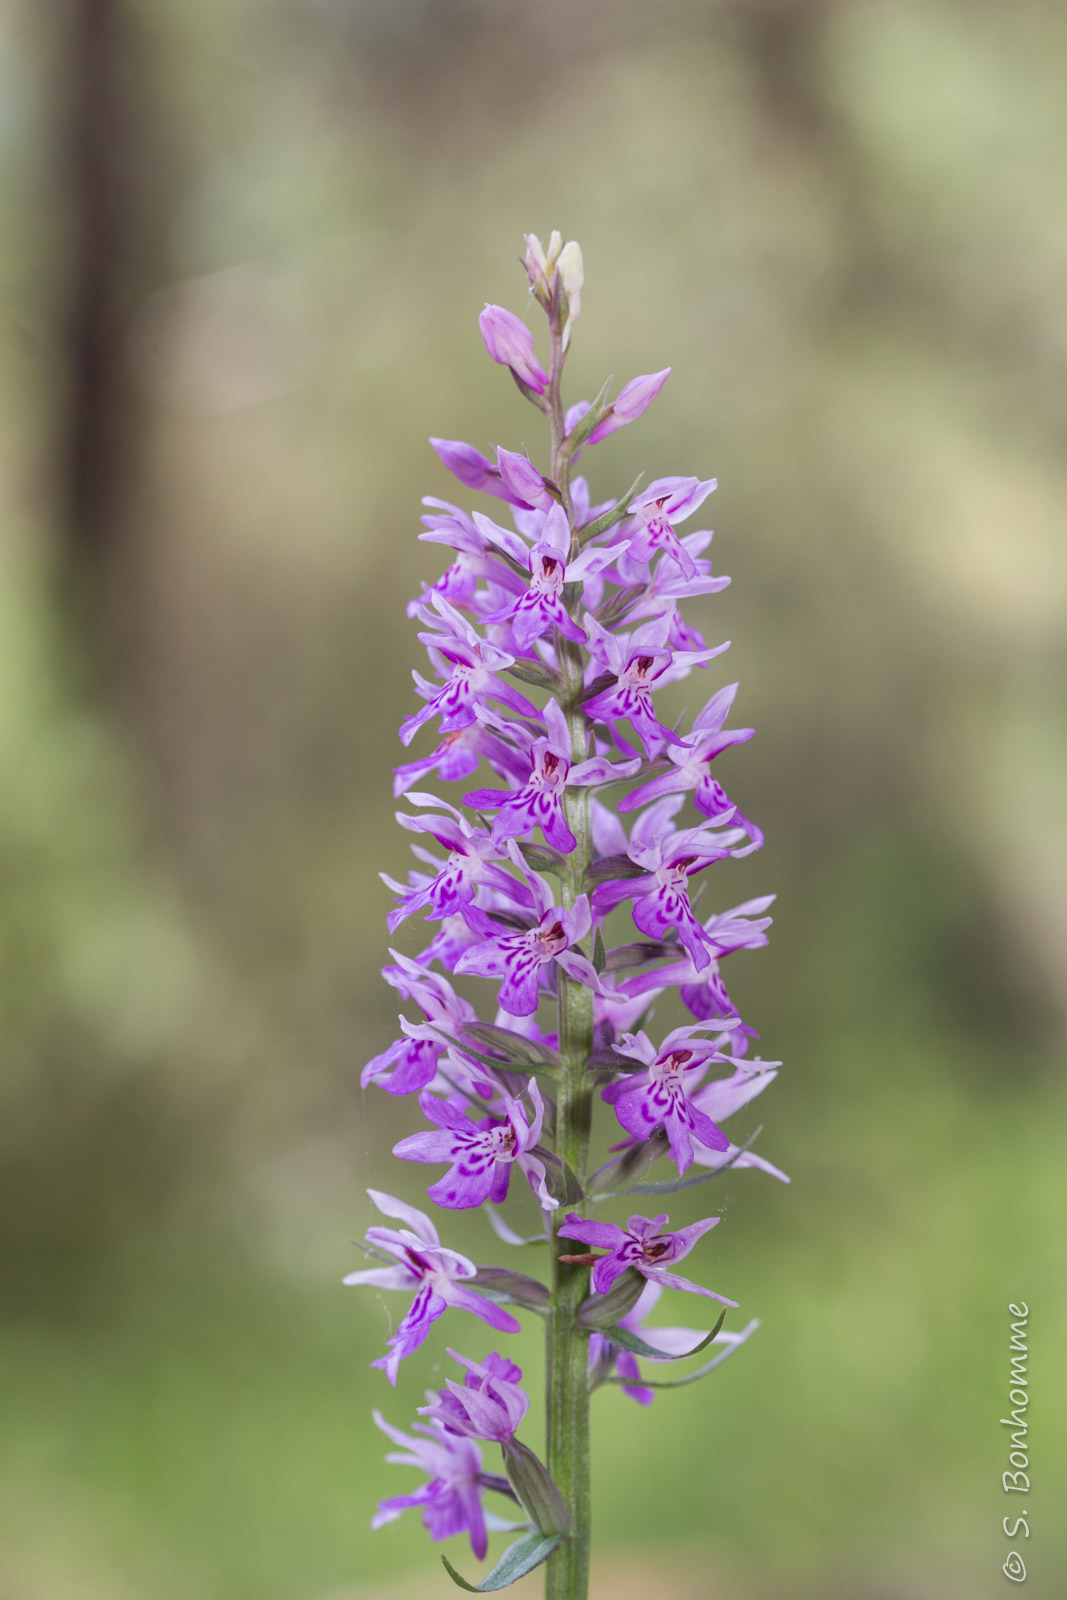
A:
567, 1345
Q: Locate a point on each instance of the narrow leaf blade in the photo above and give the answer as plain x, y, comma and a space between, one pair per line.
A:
625, 1340
518, 1559
701, 1372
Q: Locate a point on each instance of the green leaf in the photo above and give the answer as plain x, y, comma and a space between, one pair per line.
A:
604, 1310
601, 525
606, 867
573, 1193
599, 953
513, 1286
535, 1490
625, 1340
514, 1046
701, 1372
673, 1185
518, 1559
669, 1185
639, 955
630, 1164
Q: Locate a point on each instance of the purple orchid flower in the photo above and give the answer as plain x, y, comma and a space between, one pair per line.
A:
488, 1404
457, 756
451, 1501
550, 566
471, 858
434, 1273
470, 665
661, 1097
633, 401
410, 1064
537, 802
481, 1154
661, 898
473, 470
511, 343
518, 959
640, 661
664, 503
692, 769
643, 1245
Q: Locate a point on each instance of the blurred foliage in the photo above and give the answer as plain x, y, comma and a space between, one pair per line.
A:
236, 306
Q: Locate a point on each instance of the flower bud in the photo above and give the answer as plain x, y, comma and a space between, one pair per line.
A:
633, 401
540, 264
511, 343
571, 277
522, 478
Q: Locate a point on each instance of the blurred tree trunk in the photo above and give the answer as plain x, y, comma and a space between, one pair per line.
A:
114, 193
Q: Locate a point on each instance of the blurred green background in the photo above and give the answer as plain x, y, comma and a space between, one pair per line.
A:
244, 245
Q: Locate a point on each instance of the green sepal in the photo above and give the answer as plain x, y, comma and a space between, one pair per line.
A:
609, 1060
614, 609
604, 1310
541, 678
605, 867
542, 858
535, 1490
516, 1287
625, 1340
525, 390
518, 1559
528, 1052
591, 530
598, 410
639, 955
600, 955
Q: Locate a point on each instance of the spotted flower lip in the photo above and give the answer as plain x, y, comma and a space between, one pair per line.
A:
433, 1272
655, 512
410, 1064
471, 666
644, 1245
538, 801
551, 566
640, 661
472, 858
451, 1499
662, 1096
481, 1155
519, 959
661, 905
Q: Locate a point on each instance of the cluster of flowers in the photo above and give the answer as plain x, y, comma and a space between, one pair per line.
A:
578, 603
